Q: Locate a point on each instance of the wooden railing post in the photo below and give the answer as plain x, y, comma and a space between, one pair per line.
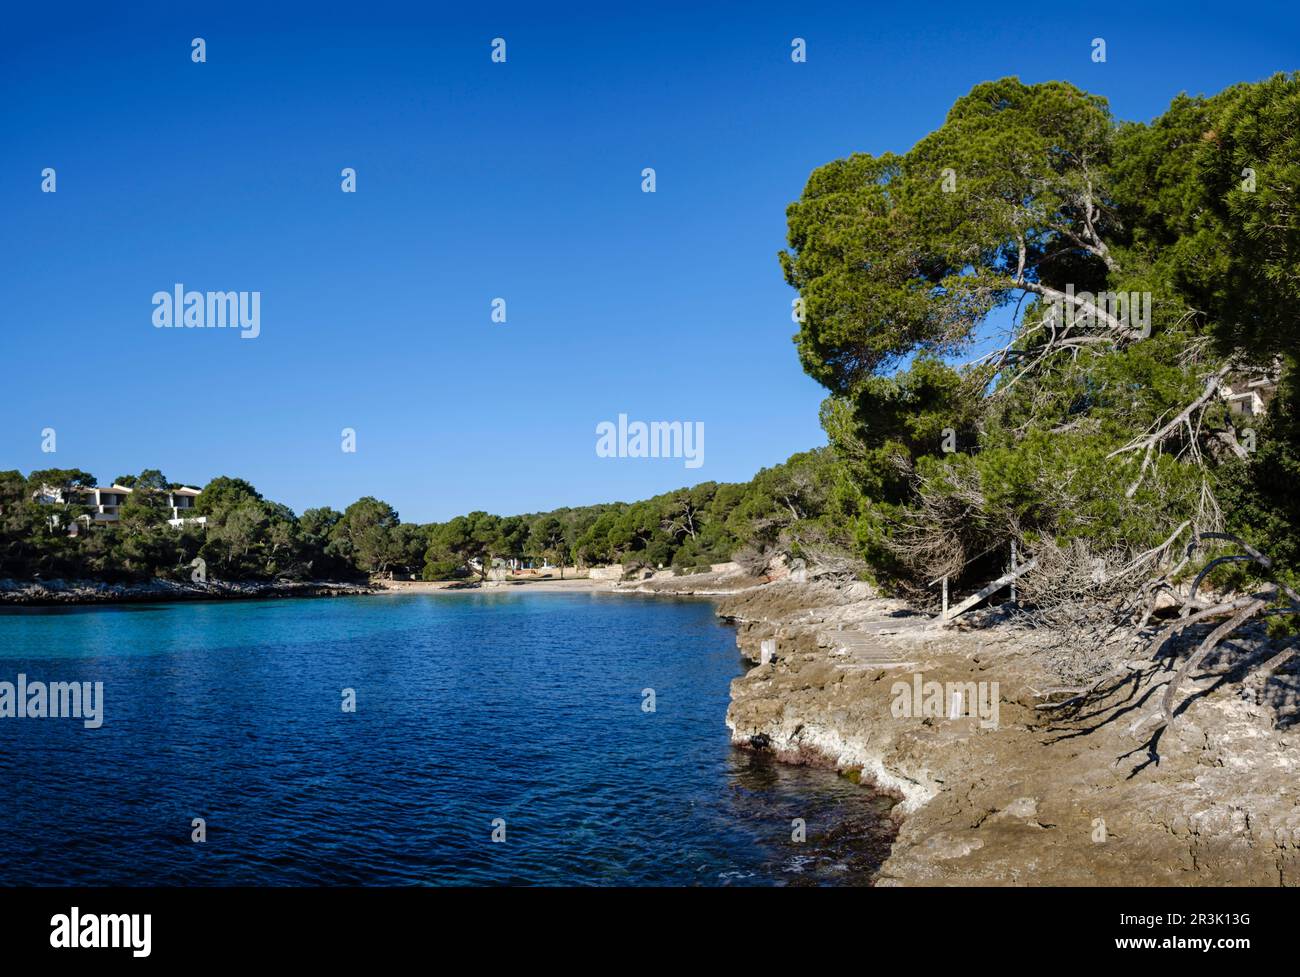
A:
1013, 573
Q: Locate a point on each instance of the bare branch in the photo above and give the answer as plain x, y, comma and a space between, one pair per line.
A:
1149, 444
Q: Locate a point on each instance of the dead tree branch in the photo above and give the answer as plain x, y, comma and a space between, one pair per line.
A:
1150, 443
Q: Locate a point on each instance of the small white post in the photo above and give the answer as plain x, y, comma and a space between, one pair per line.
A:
945, 598
767, 649
1013, 570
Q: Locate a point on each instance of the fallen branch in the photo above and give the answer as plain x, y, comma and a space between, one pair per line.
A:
1239, 611
1208, 645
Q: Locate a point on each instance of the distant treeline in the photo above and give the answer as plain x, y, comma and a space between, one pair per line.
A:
249, 537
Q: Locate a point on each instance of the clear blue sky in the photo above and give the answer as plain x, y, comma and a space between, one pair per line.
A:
475, 180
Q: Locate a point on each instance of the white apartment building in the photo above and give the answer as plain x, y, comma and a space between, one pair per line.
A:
106, 504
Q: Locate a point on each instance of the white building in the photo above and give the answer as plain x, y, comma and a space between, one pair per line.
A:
180, 500
1249, 397
106, 504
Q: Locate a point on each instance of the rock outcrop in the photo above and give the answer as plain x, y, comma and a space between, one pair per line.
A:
1010, 794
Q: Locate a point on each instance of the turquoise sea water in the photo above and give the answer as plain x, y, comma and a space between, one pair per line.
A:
470, 708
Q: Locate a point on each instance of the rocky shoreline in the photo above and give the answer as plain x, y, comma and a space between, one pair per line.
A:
48, 593
1024, 796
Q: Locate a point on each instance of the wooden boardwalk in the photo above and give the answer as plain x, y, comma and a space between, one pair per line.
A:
862, 648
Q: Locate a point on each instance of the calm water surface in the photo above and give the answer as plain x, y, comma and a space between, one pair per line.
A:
470, 707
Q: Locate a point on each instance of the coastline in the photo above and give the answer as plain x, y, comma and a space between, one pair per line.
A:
1037, 797
45, 593
71, 593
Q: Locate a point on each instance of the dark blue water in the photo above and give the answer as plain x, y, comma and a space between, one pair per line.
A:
470, 708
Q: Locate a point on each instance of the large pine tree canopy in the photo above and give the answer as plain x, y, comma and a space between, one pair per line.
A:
1032, 205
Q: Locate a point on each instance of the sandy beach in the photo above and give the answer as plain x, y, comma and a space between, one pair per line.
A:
538, 584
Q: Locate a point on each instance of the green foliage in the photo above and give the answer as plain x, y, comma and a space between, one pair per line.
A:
366, 536
223, 494
899, 255
465, 539
1241, 265
48, 530
548, 540
1260, 496
1023, 191
687, 528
